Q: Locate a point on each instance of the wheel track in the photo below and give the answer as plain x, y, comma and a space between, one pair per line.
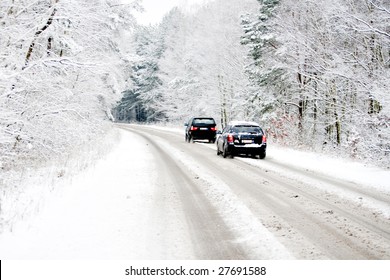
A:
211, 238
336, 224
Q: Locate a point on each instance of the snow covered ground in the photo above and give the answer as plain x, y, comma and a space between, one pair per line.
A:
288, 162
85, 218
107, 210
363, 176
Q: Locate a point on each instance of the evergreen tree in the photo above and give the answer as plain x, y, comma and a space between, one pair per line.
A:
267, 82
141, 102
321, 70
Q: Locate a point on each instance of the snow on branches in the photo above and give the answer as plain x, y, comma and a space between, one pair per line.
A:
61, 67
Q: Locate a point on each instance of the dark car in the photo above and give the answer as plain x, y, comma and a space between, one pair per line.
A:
242, 138
201, 129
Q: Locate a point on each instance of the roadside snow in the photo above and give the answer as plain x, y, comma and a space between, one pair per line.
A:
286, 161
310, 166
345, 169
103, 213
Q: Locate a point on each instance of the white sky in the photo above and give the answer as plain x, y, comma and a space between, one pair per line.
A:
156, 9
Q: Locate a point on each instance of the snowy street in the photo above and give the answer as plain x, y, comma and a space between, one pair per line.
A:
157, 197
142, 138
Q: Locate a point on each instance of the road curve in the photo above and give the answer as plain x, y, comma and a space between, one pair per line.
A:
307, 221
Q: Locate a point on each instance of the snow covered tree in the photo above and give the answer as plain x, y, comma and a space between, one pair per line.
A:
333, 61
266, 76
60, 71
203, 65
141, 102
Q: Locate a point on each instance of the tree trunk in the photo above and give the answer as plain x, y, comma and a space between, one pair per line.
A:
222, 92
337, 122
36, 35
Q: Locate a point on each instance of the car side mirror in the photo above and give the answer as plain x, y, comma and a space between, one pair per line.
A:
185, 124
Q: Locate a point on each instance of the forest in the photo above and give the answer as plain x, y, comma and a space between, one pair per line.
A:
314, 74
62, 68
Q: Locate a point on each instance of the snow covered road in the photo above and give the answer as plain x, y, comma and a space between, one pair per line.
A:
157, 197
308, 214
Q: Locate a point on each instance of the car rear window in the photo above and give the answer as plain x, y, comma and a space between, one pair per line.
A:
203, 121
246, 129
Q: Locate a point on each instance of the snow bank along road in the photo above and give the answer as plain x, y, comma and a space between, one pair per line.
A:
248, 208
154, 196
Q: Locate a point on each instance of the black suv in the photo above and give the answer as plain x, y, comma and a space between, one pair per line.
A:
201, 129
242, 138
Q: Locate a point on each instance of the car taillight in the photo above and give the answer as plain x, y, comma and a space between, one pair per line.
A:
214, 128
230, 138
264, 140
194, 128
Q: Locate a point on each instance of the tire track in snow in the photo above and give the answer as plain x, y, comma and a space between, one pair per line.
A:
341, 229
257, 241
378, 201
211, 238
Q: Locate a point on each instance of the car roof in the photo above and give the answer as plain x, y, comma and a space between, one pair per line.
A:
238, 123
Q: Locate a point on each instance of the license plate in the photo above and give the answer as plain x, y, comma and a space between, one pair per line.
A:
245, 141
203, 128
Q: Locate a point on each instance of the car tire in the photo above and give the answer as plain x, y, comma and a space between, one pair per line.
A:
224, 152
262, 155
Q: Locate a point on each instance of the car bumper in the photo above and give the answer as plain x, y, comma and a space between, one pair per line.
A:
247, 149
207, 134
